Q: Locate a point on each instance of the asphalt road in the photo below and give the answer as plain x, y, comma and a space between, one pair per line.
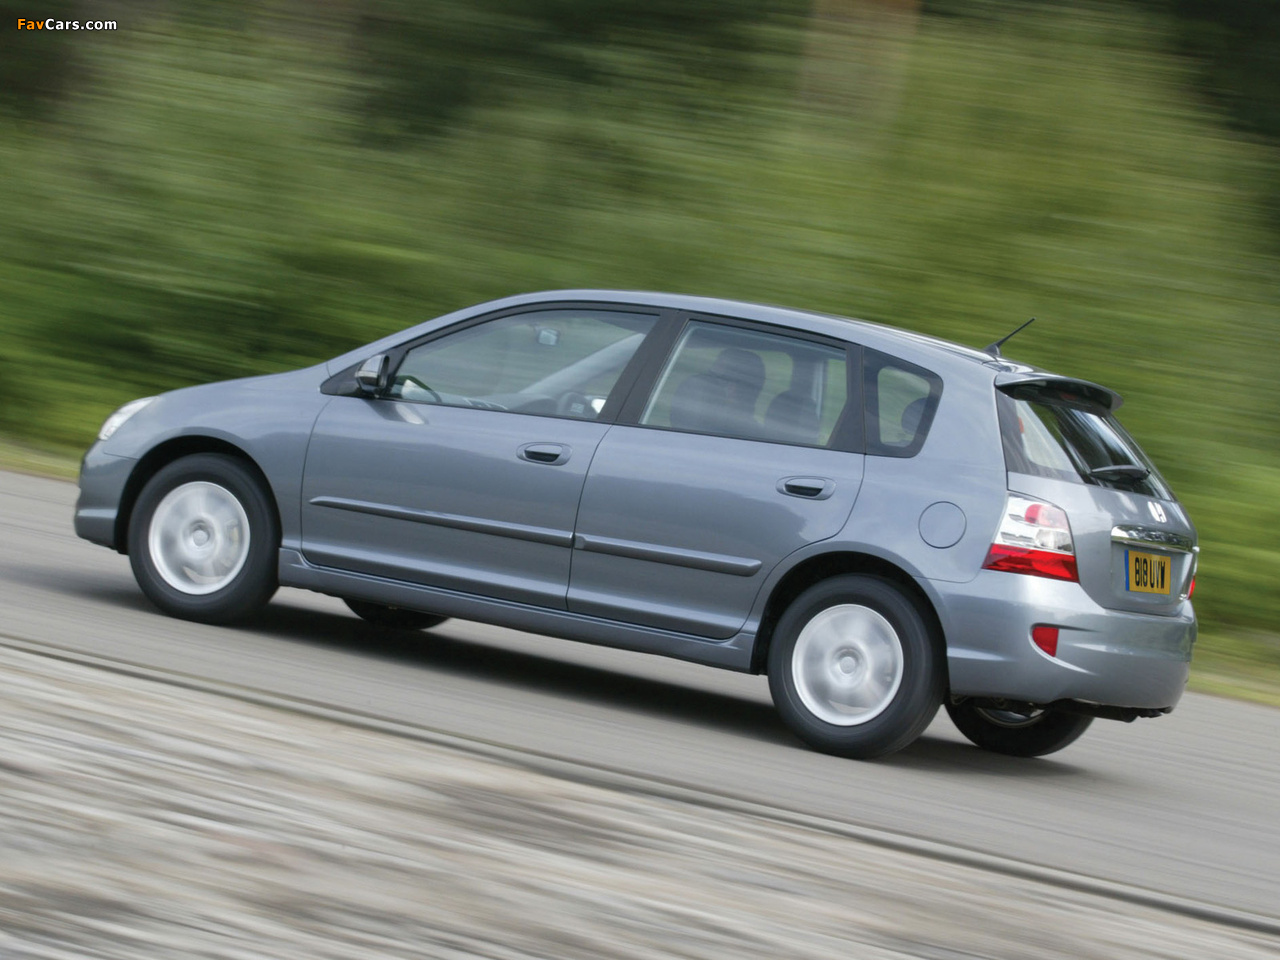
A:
1185, 805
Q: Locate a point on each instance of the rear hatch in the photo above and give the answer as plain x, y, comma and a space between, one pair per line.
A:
1135, 546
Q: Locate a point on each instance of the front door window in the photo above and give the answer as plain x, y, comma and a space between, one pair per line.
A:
551, 362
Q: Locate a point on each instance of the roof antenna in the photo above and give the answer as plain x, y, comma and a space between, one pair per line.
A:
994, 348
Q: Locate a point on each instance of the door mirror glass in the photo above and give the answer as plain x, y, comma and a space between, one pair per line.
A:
373, 374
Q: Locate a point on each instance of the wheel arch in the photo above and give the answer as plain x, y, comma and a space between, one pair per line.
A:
163, 454
824, 566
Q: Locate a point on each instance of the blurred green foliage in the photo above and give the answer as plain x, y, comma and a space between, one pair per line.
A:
238, 188
425, 64
34, 76
1236, 47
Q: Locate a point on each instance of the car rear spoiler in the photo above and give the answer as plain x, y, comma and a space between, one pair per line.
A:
1028, 385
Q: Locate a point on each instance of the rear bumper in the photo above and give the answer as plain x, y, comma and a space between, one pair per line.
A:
102, 482
1104, 656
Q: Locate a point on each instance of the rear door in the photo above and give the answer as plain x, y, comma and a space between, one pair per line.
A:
744, 451
1135, 545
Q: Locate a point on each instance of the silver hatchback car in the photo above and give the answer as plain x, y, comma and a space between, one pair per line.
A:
880, 521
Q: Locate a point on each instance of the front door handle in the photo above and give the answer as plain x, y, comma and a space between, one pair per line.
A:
810, 488
552, 454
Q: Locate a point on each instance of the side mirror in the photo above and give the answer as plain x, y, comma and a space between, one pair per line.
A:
373, 375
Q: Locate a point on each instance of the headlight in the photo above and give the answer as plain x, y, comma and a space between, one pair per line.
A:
117, 419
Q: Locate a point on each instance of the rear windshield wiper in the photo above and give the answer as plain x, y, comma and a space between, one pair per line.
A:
1121, 471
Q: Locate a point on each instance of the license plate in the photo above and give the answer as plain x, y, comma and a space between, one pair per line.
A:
1148, 572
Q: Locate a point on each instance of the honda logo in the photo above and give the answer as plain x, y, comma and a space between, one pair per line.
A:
1157, 511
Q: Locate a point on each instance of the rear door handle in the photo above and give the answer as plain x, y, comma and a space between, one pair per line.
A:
552, 454
810, 488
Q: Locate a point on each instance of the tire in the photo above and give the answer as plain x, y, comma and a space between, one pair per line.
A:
396, 618
204, 539
1017, 734
855, 669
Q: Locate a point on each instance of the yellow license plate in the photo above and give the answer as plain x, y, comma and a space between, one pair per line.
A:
1148, 572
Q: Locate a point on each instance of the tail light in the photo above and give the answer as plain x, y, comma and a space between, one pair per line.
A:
1034, 537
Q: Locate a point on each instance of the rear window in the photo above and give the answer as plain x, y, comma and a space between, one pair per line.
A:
1051, 437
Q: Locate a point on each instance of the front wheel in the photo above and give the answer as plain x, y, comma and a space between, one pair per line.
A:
855, 668
204, 539
1015, 733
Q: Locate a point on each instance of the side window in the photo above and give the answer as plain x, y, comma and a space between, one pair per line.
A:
743, 383
900, 402
556, 362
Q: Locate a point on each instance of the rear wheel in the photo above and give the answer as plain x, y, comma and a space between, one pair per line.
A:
204, 539
396, 618
854, 668
1015, 733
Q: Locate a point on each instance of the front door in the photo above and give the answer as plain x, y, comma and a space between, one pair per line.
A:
466, 474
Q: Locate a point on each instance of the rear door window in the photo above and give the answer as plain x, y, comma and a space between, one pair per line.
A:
741, 382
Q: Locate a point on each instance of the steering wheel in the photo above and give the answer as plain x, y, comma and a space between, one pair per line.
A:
574, 404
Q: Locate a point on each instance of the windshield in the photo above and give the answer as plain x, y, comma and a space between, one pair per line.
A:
1072, 441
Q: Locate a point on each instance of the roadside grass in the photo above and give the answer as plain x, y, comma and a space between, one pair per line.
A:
60, 463
1240, 667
